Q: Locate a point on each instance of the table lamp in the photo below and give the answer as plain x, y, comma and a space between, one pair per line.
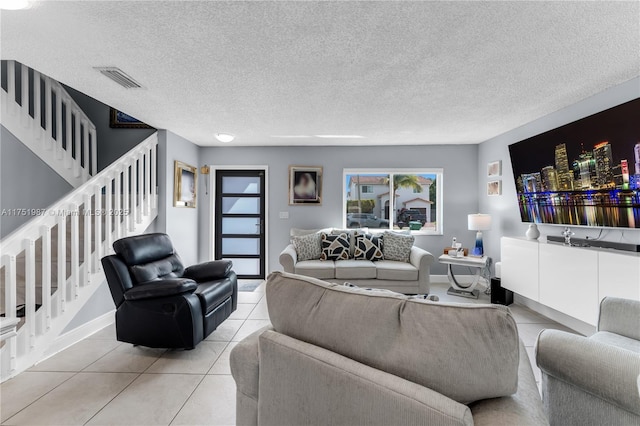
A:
479, 222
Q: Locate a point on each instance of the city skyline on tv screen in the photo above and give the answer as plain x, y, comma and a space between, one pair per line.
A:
584, 173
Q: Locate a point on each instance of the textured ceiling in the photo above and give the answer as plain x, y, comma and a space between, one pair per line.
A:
391, 72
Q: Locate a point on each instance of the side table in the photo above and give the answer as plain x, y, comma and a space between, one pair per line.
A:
463, 289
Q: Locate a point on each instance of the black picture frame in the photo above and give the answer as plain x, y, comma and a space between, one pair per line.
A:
121, 120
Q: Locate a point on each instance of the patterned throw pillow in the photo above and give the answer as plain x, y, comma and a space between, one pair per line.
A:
308, 247
351, 233
368, 247
397, 246
335, 247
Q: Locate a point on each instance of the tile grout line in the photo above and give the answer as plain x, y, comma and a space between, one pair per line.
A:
46, 393
126, 387
114, 397
108, 352
75, 373
207, 373
198, 385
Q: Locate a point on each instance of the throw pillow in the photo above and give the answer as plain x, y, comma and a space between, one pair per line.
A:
308, 247
368, 247
377, 290
335, 247
431, 297
397, 246
352, 238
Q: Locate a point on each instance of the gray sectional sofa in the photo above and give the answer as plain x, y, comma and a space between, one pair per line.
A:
349, 356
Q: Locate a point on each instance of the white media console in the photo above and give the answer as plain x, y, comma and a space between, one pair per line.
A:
571, 280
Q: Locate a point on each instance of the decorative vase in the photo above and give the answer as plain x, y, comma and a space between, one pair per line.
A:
532, 233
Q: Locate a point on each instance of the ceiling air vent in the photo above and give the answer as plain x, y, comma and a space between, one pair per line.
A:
117, 75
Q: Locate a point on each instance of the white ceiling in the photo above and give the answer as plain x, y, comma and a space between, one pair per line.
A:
392, 72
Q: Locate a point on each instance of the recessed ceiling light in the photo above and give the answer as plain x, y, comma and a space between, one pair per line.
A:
14, 4
340, 136
225, 137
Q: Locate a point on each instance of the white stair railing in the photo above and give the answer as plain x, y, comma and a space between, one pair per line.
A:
44, 117
54, 259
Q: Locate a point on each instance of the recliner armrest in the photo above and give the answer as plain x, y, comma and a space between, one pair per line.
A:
161, 288
208, 271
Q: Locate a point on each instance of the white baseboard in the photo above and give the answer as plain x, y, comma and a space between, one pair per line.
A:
564, 319
79, 333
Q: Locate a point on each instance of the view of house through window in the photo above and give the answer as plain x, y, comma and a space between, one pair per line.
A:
399, 199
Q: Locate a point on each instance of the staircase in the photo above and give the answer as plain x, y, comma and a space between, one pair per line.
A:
51, 264
41, 114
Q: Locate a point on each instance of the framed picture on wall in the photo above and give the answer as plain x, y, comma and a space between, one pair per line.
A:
494, 168
494, 187
184, 185
305, 185
120, 120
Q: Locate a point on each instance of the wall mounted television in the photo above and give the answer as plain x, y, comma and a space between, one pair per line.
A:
585, 173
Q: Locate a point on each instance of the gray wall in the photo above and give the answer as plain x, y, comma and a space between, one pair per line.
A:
504, 208
112, 143
460, 194
180, 223
25, 182
98, 304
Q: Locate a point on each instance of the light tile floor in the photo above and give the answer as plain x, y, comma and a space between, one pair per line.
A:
100, 381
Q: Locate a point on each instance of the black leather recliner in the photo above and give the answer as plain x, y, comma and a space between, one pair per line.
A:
159, 303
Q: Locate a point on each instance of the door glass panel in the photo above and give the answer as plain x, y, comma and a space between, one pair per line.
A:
240, 246
238, 205
241, 185
240, 225
246, 266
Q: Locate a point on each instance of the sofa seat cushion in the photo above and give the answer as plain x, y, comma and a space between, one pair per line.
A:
396, 271
322, 269
617, 340
355, 269
213, 293
437, 345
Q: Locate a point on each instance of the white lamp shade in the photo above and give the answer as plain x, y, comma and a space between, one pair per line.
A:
479, 222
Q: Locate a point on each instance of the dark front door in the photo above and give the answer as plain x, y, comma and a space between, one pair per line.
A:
239, 221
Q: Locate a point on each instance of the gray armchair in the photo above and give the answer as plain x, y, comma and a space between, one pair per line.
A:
595, 380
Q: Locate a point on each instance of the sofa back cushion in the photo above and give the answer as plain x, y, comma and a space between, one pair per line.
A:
466, 352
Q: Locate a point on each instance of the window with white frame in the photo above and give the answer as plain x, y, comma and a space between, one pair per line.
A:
395, 199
